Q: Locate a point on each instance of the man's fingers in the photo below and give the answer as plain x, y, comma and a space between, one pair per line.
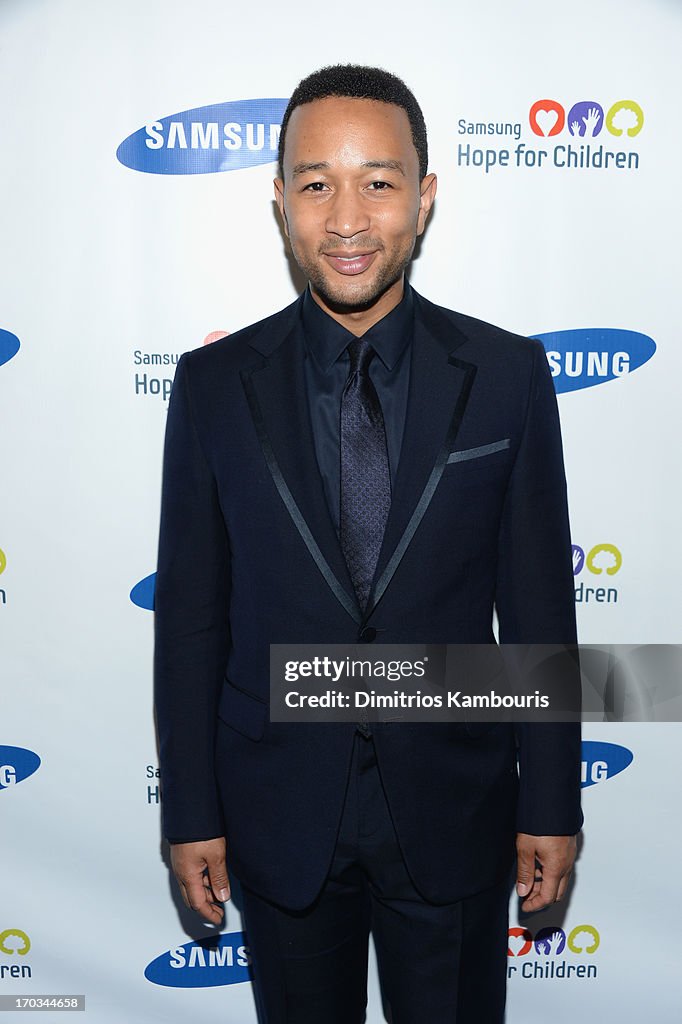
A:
197, 895
552, 889
525, 869
563, 885
183, 893
218, 880
203, 906
544, 897
555, 856
536, 901
201, 900
547, 891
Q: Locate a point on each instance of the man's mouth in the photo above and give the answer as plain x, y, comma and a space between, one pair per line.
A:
350, 264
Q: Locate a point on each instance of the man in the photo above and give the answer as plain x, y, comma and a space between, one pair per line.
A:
361, 466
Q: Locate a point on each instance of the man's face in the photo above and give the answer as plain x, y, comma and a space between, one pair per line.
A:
351, 201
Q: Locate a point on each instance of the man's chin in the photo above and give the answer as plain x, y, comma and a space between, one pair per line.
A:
351, 298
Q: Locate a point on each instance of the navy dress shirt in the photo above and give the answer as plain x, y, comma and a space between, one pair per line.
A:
326, 371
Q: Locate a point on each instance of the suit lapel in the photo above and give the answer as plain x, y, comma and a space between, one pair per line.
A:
439, 389
277, 398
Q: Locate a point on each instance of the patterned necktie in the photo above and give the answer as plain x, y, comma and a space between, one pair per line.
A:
365, 476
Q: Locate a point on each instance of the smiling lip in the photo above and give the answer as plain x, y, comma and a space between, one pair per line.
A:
350, 263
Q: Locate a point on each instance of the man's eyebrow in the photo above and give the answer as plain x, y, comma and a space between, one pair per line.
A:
388, 165
323, 165
320, 165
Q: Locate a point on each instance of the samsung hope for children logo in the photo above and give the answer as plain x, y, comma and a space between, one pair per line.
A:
218, 960
573, 129
204, 140
582, 358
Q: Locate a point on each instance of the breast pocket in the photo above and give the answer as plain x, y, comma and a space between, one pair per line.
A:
483, 463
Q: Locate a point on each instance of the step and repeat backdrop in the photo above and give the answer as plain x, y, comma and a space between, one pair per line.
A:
138, 142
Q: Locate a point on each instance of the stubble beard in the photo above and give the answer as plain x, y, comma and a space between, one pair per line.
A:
352, 294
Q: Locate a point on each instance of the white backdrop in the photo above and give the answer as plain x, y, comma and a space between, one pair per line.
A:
106, 266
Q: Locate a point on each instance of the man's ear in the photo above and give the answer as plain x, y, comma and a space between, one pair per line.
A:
427, 194
279, 199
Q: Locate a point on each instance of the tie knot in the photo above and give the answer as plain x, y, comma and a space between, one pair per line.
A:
361, 354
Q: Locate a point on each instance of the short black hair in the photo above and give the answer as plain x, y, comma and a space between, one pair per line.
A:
358, 82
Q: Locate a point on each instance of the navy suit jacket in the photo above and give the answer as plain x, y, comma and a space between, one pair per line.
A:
249, 556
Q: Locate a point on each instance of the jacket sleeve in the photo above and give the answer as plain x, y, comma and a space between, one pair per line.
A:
192, 635
535, 604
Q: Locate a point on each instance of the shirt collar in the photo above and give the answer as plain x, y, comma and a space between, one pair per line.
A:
326, 340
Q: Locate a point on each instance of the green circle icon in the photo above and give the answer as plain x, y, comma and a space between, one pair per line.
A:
611, 551
625, 117
15, 933
583, 931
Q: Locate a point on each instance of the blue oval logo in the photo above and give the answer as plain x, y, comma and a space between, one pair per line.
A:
217, 960
602, 761
9, 346
142, 593
584, 358
205, 140
16, 764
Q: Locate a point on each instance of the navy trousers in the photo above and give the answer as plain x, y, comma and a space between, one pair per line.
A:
441, 964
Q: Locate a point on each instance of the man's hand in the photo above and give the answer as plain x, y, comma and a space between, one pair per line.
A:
202, 876
544, 868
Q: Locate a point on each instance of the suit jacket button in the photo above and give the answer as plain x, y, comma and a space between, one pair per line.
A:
367, 634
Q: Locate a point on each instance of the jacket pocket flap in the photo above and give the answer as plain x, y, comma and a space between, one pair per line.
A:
242, 712
481, 450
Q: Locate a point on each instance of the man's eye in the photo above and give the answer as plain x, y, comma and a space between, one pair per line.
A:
315, 186
379, 186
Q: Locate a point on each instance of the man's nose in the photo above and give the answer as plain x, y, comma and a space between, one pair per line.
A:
347, 214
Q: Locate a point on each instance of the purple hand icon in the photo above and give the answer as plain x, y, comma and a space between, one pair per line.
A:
550, 941
586, 119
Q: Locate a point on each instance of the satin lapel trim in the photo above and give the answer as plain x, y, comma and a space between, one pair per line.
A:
277, 400
440, 385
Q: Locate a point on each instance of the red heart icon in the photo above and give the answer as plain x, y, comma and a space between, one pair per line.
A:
546, 125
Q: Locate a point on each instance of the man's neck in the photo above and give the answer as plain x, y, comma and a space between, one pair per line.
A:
358, 321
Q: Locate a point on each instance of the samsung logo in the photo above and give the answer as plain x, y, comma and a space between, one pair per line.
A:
583, 358
218, 960
9, 346
16, 764
601, 761
142, 593
204, 140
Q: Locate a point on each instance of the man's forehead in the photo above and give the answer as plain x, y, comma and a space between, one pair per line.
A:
338, 120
